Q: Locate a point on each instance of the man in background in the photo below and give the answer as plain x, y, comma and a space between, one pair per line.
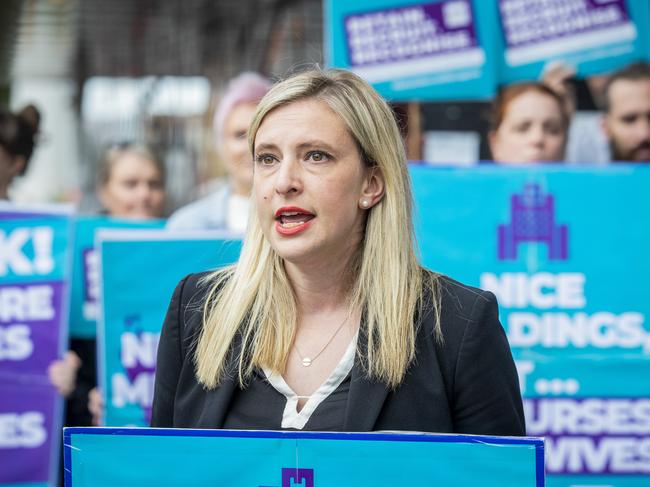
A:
626, 122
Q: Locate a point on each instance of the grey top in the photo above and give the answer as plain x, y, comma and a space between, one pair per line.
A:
207, 213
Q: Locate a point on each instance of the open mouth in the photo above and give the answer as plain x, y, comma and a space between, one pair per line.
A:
292, 219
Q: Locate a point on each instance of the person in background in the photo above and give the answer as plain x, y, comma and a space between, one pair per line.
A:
131, 185
620, 130
226, 208
18, 134
132, 182
529, 123
626, 121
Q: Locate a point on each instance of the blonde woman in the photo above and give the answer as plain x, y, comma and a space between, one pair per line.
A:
328, 322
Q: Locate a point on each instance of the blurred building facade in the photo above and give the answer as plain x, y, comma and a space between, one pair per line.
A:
149, 70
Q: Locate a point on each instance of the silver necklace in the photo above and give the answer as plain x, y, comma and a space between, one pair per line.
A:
307, 361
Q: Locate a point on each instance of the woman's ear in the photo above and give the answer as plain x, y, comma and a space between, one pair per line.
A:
373, 188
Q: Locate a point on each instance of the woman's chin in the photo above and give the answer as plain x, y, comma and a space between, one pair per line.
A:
294, 252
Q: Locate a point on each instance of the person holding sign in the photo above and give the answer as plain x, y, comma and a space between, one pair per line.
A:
626, 122
131, 185
132, 182
529, 124
328, 321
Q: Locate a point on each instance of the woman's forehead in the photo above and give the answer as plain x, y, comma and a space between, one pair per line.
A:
303, 119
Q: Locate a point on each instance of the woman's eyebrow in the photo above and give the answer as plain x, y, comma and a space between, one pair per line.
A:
316, 143
266, 146
308, 144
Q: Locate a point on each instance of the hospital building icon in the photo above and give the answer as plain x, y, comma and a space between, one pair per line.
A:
532, 220
297, 477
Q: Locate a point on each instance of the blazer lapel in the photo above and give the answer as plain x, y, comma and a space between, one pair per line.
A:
366, 397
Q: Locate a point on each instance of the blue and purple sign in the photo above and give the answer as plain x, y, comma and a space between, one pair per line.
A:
426, 50
436, 50
564, 250
84, 305
103, 457
594, 36
34, 278
139, 271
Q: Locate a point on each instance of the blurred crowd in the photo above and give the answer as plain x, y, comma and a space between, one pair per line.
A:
529, 122
533, 122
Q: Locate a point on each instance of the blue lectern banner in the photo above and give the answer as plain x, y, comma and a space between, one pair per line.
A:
34, 278
565, 252
166, 457
139, 271
415, 50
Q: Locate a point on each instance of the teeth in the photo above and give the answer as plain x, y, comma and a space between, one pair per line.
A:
291, 224
289, 213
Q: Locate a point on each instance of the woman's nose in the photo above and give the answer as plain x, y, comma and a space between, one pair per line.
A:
287, 177
145, 192
537, 136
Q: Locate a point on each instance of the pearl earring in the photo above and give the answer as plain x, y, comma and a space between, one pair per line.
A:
364, 204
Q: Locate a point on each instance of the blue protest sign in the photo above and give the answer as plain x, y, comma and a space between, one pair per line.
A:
34, 279
84, 300
591, 35
168, 457
565, 253
415, 50
139, 271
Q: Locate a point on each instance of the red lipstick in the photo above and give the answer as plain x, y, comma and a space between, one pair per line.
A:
291, 220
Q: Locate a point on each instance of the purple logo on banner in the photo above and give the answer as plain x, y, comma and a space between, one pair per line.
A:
292, 477
297, 477
532, 220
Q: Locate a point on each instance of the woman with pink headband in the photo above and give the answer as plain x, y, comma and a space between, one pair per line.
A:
226, 208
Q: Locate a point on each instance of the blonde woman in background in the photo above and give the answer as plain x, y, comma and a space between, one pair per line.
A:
328, 321
131, 185
131, 182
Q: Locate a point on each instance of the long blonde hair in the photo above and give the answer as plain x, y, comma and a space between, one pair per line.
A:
255, 300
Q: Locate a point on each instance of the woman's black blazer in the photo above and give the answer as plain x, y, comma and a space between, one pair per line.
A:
467, 384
